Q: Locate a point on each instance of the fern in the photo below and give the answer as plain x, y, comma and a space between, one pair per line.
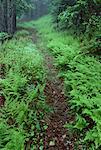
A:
22, 86
82, 77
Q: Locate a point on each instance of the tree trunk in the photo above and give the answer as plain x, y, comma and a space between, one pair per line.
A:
11, 16
3, 15
7, 16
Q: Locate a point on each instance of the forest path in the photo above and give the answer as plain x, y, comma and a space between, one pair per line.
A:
56, 137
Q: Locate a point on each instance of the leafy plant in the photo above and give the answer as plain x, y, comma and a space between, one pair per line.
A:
82, 80
22, 86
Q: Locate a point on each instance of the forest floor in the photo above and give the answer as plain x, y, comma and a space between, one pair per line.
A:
56, 137
51, 91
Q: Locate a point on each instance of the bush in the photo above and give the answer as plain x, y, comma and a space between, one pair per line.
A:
82, 17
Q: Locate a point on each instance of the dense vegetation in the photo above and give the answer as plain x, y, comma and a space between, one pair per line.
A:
82, 80
22, 84
72, 34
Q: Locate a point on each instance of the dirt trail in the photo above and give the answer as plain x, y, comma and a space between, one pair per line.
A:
56, 137
56, 134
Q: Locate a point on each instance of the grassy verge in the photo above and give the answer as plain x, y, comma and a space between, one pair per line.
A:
82, 80
22, 100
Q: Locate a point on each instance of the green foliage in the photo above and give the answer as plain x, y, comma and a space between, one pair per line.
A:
26, 25
82, 16
82, 80
23, 6
77, 14
12, 138
92, 47
22, 82
80, 123
22, 33
3, 36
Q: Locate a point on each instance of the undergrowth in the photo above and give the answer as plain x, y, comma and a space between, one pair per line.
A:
22, 82
3, 34
82, 80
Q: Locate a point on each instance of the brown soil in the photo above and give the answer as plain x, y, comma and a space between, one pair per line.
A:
2, 101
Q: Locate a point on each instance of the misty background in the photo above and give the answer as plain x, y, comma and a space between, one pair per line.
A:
38, 8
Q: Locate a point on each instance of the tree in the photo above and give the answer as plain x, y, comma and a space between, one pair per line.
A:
8, 16
9, 9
